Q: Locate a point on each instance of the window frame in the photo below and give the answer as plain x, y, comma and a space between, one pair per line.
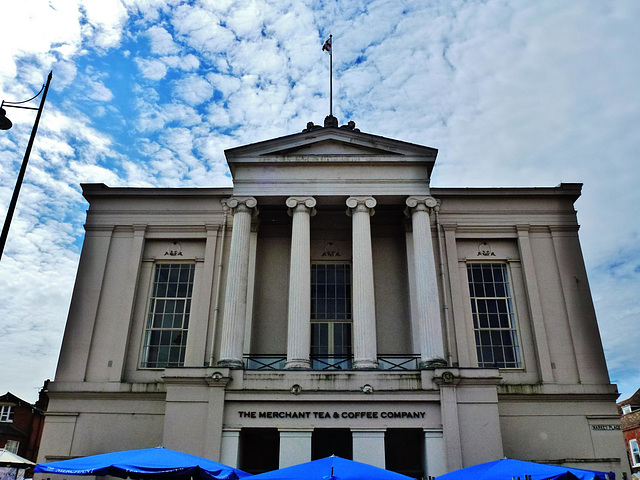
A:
12, 446
634, 452
510, 303
6, 413
333, 360
148, 330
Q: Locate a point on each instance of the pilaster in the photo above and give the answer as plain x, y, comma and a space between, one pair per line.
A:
368, 446
230, 446
535, 304
295, 446
435, 456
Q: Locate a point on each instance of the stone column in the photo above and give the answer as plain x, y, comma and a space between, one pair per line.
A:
295, 446
299, 326
428, 300
362, 294
368, 446
235, 300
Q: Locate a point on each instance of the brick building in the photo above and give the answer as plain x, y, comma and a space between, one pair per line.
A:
21, 424
630, 421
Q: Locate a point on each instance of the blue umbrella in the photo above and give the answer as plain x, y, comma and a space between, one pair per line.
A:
331, 468
147, 463
507, 468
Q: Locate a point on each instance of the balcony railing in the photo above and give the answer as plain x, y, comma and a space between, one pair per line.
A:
331, 362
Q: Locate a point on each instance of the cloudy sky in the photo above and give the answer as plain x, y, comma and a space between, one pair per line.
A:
150, 93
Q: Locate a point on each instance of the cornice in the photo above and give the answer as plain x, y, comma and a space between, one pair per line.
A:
100, 190
571, 190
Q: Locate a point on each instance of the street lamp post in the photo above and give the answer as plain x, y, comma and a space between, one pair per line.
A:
5, 124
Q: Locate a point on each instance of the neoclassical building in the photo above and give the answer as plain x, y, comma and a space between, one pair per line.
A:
333, 301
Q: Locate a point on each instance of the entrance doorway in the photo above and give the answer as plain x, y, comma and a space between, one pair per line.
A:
259, 450
331, 441
403, 448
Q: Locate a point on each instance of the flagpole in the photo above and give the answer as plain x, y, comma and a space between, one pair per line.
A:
330, 120
331, 76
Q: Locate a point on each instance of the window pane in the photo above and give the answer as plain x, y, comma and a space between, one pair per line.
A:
493, 316
331, 315
168, 317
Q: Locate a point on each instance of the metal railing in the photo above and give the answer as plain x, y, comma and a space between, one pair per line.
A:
331, 362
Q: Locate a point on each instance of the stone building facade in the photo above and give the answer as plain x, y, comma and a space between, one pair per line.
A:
333, 301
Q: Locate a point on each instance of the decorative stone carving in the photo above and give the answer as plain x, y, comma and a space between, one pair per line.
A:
351, 125
330, 121
235, 202
363, 202
302, 202
484, 250
173, 250
330, 250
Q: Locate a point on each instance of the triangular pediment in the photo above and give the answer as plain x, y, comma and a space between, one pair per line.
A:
330, 147
329, 161
330, 141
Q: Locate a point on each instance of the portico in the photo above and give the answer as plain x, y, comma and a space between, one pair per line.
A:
326, 168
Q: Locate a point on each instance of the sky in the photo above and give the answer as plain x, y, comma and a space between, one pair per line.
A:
151, 93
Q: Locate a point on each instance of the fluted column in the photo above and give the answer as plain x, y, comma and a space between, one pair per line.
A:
299, 326
428, 300
235, 300
362, 293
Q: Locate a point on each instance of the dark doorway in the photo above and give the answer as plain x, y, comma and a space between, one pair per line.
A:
331, 441
259, 450
403, 448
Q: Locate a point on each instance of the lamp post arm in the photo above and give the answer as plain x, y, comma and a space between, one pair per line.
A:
23, 169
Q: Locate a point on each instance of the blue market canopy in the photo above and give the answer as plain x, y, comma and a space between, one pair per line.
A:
147, 463
507, 469
331, 468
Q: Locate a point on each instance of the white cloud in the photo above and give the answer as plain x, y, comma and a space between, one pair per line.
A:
201, 29
99, 91
37, 28
193, 89
105, 19
161, 41
152, 69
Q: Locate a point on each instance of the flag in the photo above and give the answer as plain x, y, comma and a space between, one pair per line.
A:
327, 45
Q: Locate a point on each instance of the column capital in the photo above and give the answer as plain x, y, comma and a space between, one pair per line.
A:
297, 204
308, 202
361, 204
421, 203
235, 204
